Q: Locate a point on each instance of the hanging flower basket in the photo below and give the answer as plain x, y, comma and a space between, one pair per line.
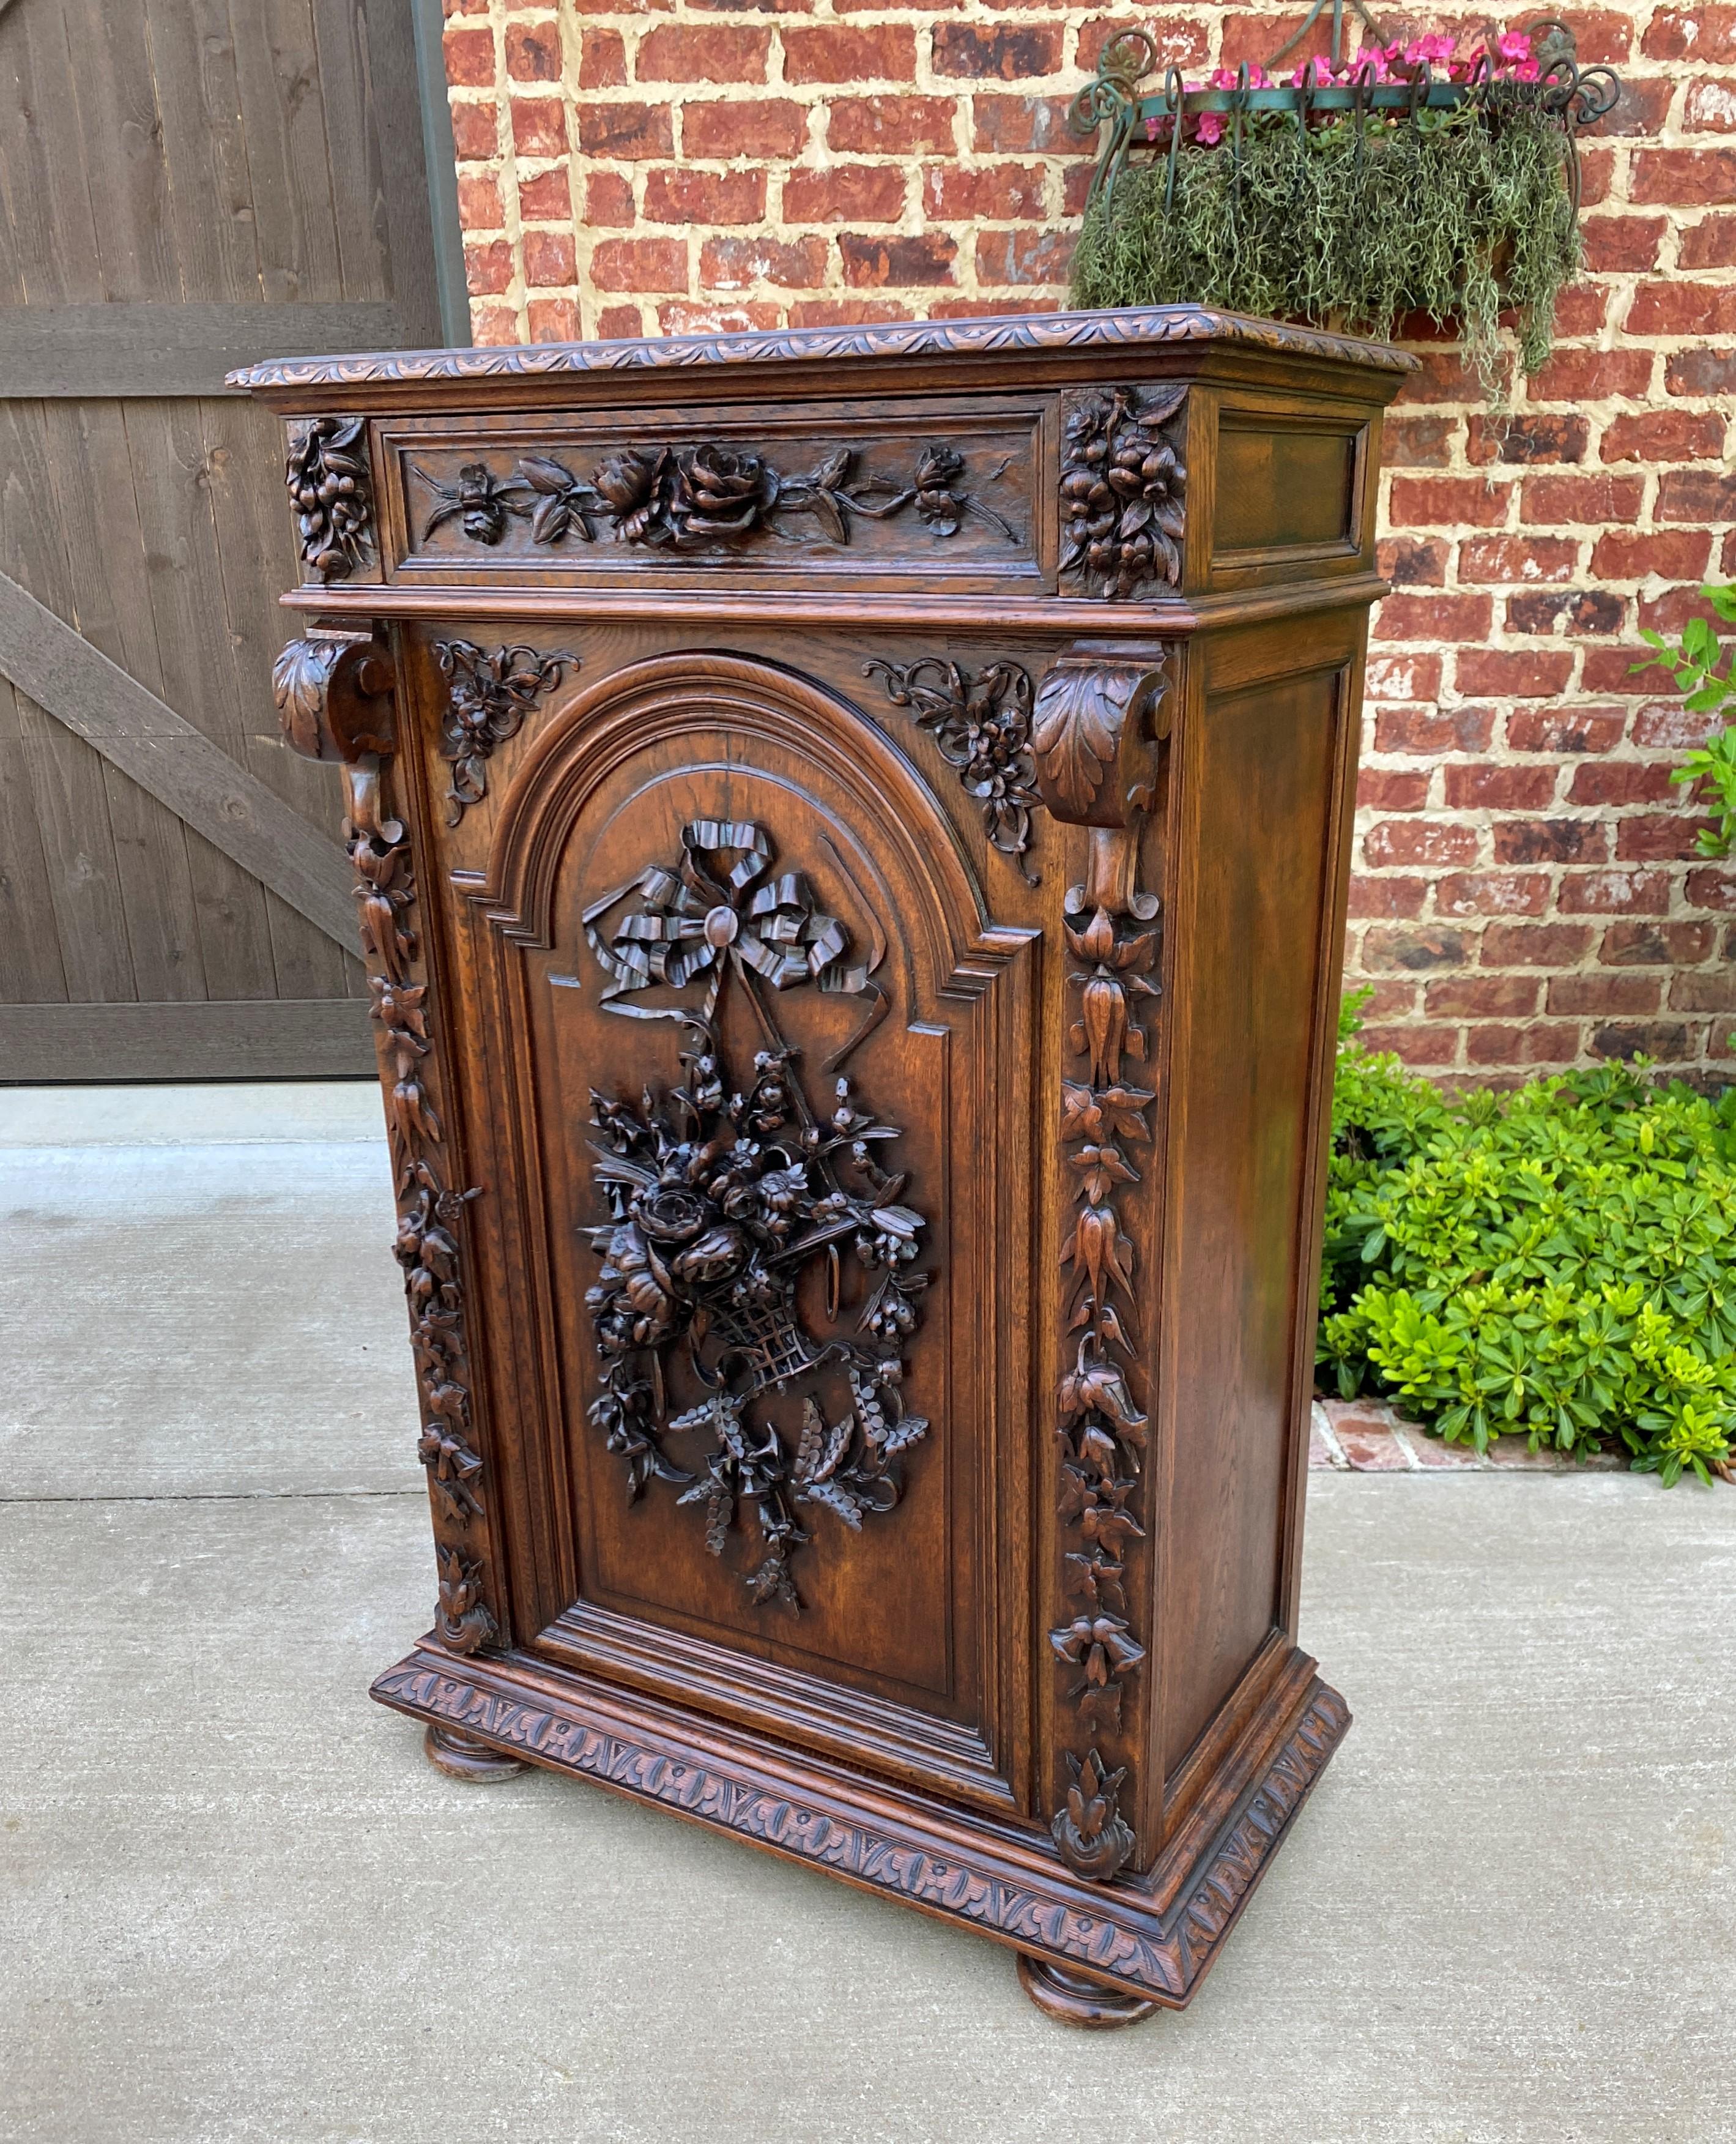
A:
1414, 176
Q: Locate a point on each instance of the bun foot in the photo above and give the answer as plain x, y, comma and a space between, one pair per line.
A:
462, 1757
1076, 1998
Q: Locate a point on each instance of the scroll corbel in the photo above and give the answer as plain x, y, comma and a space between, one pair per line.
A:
336, 698
1100, 714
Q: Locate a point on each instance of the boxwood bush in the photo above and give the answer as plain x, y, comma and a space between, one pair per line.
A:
1557, 1264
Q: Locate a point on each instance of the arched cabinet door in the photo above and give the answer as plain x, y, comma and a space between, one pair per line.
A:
764, 1242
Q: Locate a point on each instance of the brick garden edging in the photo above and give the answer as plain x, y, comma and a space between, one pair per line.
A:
1366, 1437
1527, 894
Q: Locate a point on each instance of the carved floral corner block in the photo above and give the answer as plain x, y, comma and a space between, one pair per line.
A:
687, 498
982, 725
489, 697
722, 1194
331, 495
1122, 490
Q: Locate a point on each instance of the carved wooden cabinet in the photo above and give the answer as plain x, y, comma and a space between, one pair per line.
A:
850, 833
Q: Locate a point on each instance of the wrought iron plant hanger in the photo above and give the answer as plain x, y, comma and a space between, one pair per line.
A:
1576, 98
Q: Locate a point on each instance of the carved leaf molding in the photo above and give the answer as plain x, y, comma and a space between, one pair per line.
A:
925, 1870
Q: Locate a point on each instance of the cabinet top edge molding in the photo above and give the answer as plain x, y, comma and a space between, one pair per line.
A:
1129, 328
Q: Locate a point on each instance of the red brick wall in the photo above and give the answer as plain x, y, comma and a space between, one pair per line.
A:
1526, 894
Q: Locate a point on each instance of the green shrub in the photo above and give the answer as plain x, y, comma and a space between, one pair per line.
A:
1693, 663
1557, 1264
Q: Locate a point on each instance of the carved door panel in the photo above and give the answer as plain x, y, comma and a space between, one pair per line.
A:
771, 1089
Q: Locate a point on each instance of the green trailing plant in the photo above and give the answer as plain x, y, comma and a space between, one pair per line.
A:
1558, 1263
1457, 213
1694, 662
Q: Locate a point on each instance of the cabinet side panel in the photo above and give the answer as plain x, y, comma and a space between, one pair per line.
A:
1254, 875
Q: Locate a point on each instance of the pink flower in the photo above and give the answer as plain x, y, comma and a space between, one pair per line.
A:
1435, 48
1209, 131
1527, 70
1515, 45
1225, 77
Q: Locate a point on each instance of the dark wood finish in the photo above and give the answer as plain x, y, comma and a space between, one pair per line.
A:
182, 186
462, 1757
854, 970
1075, 1998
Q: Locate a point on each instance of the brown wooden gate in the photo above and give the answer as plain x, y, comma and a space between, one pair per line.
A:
186, 186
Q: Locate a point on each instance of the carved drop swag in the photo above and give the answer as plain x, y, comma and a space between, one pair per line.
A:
720, 1193
855, 1112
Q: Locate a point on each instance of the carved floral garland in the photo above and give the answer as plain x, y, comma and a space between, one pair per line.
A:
720, 1197
428, 1244
1096, 724
1101, 1426
690, 498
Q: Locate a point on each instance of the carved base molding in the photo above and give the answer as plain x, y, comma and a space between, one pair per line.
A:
949, 1863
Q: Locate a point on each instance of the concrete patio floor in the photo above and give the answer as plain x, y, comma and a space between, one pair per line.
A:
236, 1904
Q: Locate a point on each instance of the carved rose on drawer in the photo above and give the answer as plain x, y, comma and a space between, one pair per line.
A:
720, 495
693, 499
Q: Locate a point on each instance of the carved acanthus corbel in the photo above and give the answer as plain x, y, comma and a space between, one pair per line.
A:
335, 695
1099, 716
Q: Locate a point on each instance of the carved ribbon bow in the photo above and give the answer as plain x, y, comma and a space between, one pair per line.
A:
701, 918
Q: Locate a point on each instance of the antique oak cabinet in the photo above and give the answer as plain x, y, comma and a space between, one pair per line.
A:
850, 833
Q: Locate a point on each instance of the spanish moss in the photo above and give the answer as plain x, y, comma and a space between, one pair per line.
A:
1457, 214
